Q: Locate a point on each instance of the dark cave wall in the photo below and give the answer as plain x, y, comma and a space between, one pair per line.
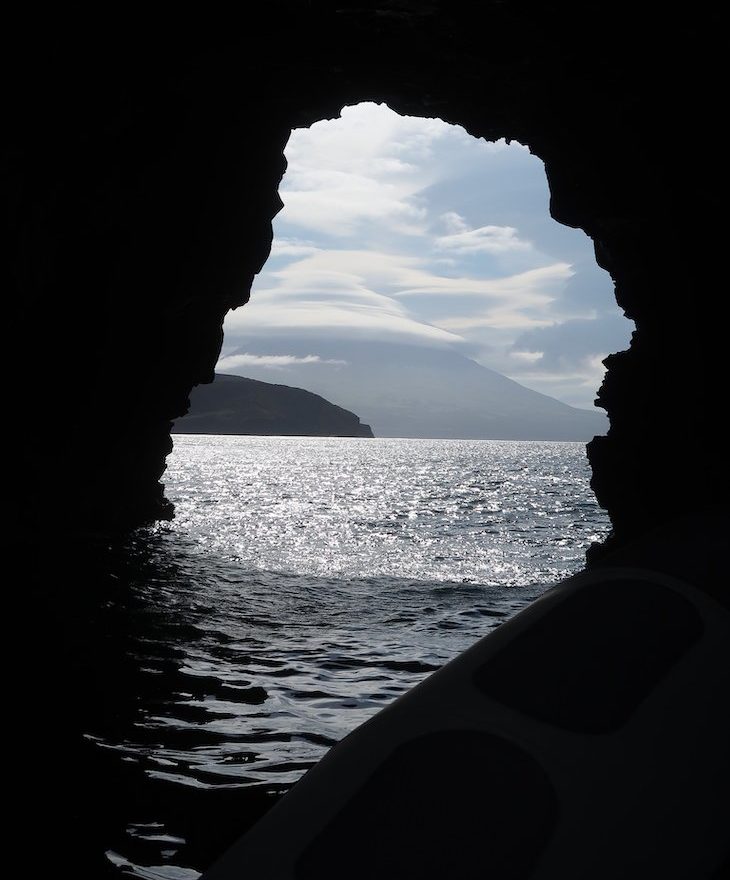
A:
144, 173
147, 231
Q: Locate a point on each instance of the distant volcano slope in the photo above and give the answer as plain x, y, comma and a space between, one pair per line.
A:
410, 391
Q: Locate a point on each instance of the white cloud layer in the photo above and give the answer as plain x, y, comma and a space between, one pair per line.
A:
292, 247
486, 239
234, 361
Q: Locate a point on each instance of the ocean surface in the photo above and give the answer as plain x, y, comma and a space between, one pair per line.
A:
303, 585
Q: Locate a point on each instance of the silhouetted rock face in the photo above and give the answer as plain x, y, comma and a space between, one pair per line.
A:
234, 405
145, 163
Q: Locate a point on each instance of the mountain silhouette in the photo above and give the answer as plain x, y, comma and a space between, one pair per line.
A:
237, 405
406, 390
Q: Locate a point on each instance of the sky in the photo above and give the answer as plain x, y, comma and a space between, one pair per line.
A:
409, 229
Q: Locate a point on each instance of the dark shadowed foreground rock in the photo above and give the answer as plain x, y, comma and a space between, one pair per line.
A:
235, 405
144, 159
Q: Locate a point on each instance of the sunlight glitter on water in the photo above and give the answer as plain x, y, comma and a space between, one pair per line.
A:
483, 511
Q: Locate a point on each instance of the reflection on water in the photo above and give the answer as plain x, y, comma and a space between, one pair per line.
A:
170, 692
127, 742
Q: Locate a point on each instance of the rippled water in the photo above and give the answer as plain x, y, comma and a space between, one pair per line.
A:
303, 585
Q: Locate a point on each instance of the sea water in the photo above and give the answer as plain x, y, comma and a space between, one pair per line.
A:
304, 584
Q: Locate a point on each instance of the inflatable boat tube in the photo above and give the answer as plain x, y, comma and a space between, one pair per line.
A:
588, 737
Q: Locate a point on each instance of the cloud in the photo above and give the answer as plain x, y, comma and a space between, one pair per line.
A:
292, 247
374, 242
565, 359
454, 222
522, 285
351, 292
408, 275
362, 272
364, 291
231, 362
371, 165
365, 167
574, 344
576, 386
485, 239
343, 317
338, 204
504, 318
366, 137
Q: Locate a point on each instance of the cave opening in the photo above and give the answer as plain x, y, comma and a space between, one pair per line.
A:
412, 267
